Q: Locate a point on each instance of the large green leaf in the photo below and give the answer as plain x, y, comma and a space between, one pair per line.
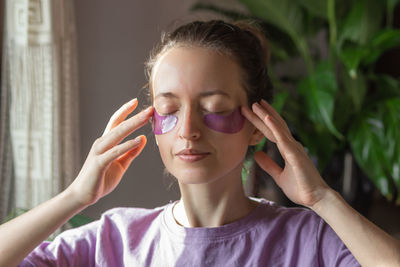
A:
381, 42
354, 89
286, 15
361, 39
374, 138
366, 138
318, 93
351, 58
353, 55
350, 99
362, 22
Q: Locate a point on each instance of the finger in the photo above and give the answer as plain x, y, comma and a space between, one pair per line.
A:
267, 164
270, 109
125, 128
120, 115
264, 115
289, 148
258, 123
129, 156
119, 150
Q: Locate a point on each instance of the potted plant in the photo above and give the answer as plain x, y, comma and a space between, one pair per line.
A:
339, 104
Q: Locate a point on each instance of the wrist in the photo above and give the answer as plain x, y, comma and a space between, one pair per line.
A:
70, 195
327, 198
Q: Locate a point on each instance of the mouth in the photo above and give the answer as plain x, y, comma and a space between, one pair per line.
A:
191, 155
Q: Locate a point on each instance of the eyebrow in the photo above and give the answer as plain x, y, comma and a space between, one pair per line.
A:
202, 94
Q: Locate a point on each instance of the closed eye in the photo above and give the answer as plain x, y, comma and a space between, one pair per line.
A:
167, 113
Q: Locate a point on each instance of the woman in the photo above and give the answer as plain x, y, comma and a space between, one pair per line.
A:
204, 78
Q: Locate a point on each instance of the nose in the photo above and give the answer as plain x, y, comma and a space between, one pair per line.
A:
189, 128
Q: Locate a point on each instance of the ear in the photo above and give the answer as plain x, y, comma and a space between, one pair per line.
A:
256, 137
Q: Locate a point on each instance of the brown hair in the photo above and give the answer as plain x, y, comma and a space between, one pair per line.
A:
243, 41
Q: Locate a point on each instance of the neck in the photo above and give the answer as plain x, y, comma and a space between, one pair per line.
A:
213, 204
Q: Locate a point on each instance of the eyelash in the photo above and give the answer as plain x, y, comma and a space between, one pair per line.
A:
167, 114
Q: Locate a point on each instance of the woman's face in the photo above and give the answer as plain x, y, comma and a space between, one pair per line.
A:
190, 83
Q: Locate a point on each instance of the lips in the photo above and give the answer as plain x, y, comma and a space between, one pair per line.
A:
191, 155
190, 151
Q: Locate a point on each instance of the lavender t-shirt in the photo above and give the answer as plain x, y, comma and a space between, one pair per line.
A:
269, 236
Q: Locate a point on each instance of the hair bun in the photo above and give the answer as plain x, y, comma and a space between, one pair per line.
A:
255, 29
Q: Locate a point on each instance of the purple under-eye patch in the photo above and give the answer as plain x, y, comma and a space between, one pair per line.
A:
230, 124
163, 124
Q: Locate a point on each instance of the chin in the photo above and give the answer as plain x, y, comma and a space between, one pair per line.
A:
194, 176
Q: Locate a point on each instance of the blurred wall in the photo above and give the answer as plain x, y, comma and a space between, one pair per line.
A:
114, 40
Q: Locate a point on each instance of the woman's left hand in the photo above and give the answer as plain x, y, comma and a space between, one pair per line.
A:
299, 179
302, 183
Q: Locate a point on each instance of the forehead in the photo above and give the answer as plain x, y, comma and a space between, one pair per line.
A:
189, 71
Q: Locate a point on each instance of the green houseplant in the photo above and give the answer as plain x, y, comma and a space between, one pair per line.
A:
339, 104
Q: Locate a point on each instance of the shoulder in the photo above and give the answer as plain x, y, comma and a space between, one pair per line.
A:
125, 220
113, 227
303, 228
284, 216
294, 225
131, 215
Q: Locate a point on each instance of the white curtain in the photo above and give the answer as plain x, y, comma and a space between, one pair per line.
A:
40, 81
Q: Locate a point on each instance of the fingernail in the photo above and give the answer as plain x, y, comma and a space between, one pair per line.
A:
137, 140
145, 112
257, 105
130, 103
263, 101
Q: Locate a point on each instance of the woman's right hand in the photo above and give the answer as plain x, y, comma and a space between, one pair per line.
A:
108, 160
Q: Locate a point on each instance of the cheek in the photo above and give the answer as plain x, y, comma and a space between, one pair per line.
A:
165, 148
232, 148
164, 145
